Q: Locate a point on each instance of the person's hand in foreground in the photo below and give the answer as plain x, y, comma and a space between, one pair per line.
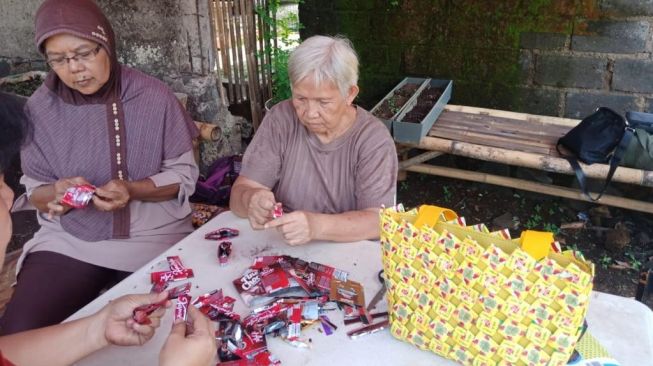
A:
55, 208
112, 196
68, 342
296, 227
190, 345
259, 209
119, 326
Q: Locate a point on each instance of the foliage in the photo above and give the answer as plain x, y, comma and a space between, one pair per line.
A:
279, 42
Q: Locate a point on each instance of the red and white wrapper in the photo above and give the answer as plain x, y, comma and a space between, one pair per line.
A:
294, 322
78, 196
179, 291
181, 310
175, 263
277, 211
165, 276
142, 313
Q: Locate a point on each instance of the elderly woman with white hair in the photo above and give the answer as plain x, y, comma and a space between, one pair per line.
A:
330, 163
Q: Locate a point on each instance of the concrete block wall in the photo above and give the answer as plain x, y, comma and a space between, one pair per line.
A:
557, 57
606, 62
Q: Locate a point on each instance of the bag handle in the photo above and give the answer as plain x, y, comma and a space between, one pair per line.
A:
430, 215
614, 163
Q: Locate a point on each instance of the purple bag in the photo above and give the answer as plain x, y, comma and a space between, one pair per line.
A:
215, 188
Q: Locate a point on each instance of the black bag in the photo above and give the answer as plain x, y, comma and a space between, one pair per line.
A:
601, 137
639, 154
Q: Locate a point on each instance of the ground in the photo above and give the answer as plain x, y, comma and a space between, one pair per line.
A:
618, 241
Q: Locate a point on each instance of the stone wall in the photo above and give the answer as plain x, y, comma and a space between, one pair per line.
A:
169, 39
552, 57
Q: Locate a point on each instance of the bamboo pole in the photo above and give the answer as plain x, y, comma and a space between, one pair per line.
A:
252, 72
531, 118
525, 185
225, 48
238, 31
233, 47
208, 131
419, 159
216, 49
536, 161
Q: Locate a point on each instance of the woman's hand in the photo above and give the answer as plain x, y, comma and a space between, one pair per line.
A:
192, 346
114, 324
296, 227
55, 208
112, 196
259, 208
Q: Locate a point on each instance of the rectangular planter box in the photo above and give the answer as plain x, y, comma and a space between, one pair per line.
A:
419, 82
412, 132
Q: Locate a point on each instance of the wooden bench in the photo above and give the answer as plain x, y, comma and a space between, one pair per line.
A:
517, 139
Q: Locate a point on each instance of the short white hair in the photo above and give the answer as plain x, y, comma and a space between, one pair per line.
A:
330, 59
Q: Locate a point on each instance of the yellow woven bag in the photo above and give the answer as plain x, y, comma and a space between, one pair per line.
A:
477, 298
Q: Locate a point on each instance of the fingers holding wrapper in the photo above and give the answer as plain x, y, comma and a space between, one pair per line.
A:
277, 210
224, 247
78, 196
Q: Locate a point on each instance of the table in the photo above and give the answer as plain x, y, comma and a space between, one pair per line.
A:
518, 139
612, 319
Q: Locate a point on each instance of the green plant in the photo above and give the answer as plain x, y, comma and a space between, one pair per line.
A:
605, 261
279, 39
552, 228
447, 193
534, 221
635, 263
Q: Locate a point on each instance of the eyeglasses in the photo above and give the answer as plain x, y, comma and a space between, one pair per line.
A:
85, 56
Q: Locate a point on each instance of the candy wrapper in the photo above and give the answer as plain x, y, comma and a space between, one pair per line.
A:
224, 251
222, 233
141, 314
78, 196
181, 310
277, 211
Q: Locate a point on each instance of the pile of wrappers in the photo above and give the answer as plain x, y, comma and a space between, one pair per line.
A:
287, 294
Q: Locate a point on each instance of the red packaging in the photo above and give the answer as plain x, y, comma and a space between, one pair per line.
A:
277, 211
175, 264
179, 291
224, 250
141, 314
78, 196
263, 316
267, 260
324, 274
165, 276
251, 290
252, 344
181, 310
294, 322
274, 278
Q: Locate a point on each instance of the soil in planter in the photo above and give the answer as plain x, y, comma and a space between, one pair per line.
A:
425, 101
392, 105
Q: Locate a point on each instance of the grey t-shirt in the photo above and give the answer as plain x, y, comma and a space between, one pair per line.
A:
357, 170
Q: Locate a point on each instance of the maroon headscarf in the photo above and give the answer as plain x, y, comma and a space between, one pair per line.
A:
81, 18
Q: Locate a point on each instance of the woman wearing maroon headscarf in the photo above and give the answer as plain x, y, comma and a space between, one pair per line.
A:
96, 121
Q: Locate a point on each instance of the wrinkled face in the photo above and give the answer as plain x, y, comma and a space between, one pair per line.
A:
321, 108
78, 62
6, 200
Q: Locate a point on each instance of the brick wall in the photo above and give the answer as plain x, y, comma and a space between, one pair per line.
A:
552, 57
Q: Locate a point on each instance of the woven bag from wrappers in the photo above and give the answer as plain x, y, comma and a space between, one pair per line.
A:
480, 298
